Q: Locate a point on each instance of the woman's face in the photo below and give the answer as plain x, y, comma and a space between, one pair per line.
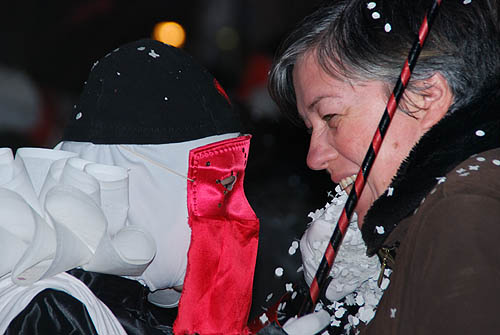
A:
342, 118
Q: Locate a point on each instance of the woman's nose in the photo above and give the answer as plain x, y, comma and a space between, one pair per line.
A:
320, 153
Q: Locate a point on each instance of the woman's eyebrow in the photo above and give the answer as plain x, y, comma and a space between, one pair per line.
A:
321, 97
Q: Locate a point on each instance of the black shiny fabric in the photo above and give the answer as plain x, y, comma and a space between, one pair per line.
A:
52, 312
55, 312
272, 329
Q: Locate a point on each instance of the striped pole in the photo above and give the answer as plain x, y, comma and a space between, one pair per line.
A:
326, 264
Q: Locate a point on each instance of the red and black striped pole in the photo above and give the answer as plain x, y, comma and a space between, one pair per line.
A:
326, 264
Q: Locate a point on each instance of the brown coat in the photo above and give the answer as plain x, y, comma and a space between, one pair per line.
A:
446, 277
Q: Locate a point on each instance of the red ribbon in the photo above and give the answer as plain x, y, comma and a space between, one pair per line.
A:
217, 291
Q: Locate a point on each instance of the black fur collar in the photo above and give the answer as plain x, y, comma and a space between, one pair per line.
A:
446, 145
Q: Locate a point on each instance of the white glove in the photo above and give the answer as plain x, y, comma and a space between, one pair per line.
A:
307, 324
351, 267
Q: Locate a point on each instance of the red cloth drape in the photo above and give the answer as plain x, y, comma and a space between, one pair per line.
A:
217, 291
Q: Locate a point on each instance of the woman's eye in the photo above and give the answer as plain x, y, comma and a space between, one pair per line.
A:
330, 120
327, 117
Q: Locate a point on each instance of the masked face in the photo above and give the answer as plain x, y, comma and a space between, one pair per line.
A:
158, 199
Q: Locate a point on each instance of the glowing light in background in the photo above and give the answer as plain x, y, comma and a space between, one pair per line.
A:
227, 38
170, 32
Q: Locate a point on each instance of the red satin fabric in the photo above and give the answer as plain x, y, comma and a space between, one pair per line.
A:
217, 291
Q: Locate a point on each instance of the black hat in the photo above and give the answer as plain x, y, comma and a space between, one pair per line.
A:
148, 92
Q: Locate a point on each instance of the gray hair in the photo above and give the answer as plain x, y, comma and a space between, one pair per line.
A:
353, 40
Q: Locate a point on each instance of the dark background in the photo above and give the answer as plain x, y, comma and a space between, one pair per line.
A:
48, 47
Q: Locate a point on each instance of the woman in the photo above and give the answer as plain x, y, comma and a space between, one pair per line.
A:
433, 194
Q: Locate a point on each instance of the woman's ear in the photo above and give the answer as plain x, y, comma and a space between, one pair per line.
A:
436, 99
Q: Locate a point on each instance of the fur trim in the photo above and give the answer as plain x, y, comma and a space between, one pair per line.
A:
444, 146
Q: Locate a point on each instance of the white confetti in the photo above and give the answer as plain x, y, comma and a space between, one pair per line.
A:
336, 305
330, 195
362, 272
292, 250
166, 98
360, 301
294, 295
393, 313
141, 48
387, 27
349, 300
366, 314
480, 133
289, 287
371, 5
466, 2
153, 54
295, 244
278, 272
78, 116
263, 318
465, 174
116, 49
385, 283
118, 73
335, 323
390, 191
496, 162
473, 167
434, 191
353, 320
376, 15
441, 180
340, 312
480, 159
461, 170
380, 230
269, 296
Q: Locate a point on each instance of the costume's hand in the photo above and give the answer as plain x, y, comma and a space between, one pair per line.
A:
307, 324
312, 243
312, 246
346, 272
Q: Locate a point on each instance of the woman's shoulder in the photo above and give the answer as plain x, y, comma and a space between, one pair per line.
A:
447, 255
479, 175
472, 186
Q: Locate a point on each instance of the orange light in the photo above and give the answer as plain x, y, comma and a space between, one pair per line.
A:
170, 32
